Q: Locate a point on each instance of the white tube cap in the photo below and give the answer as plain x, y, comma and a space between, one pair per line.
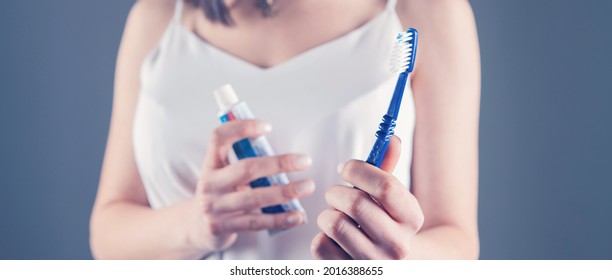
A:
226, 97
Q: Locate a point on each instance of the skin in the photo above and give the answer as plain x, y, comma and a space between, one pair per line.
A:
381, 220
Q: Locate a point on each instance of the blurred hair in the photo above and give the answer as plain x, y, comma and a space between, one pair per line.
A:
217, 11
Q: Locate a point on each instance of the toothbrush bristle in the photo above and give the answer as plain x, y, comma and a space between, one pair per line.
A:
403, 52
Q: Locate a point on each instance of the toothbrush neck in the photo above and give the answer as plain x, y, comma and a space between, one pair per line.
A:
396, 101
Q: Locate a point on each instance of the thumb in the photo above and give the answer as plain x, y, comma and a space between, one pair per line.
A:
392, 155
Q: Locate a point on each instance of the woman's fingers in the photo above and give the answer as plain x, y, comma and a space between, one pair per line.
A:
389, 192
325, 248
358, 205
255, 222
249, 169
260, 197
347, 235
227, 134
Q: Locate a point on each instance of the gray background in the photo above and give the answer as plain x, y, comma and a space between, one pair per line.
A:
545, 183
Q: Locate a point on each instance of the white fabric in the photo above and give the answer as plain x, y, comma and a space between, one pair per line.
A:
326, 102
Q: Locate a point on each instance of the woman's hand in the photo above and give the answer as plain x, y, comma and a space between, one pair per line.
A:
376, 221
224, 202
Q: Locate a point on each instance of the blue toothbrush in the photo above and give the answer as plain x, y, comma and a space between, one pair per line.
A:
402, 60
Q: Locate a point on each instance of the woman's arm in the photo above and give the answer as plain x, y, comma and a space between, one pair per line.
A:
446, 85
122, 223
383, 220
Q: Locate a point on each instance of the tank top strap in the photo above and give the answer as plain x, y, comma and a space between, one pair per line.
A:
391, 4
178, 11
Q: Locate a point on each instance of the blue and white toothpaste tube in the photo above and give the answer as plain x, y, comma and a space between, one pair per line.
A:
233, 109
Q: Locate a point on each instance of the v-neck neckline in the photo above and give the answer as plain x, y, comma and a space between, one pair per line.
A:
294, 60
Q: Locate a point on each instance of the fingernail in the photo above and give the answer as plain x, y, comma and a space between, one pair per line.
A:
340, 167
263, 128
302, 161
305, 187
293, 219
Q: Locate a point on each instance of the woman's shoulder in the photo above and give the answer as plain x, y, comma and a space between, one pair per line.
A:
433, 13
447, 32
144, 28
156, 5
149, 18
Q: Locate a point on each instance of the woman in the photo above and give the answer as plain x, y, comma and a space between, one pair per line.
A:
315, 70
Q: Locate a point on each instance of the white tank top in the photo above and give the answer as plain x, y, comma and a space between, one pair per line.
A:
326, 102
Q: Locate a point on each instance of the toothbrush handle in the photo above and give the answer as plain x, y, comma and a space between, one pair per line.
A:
377, 155
384, 133
386, 127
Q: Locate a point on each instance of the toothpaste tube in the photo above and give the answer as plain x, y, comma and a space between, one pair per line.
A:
233, 109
